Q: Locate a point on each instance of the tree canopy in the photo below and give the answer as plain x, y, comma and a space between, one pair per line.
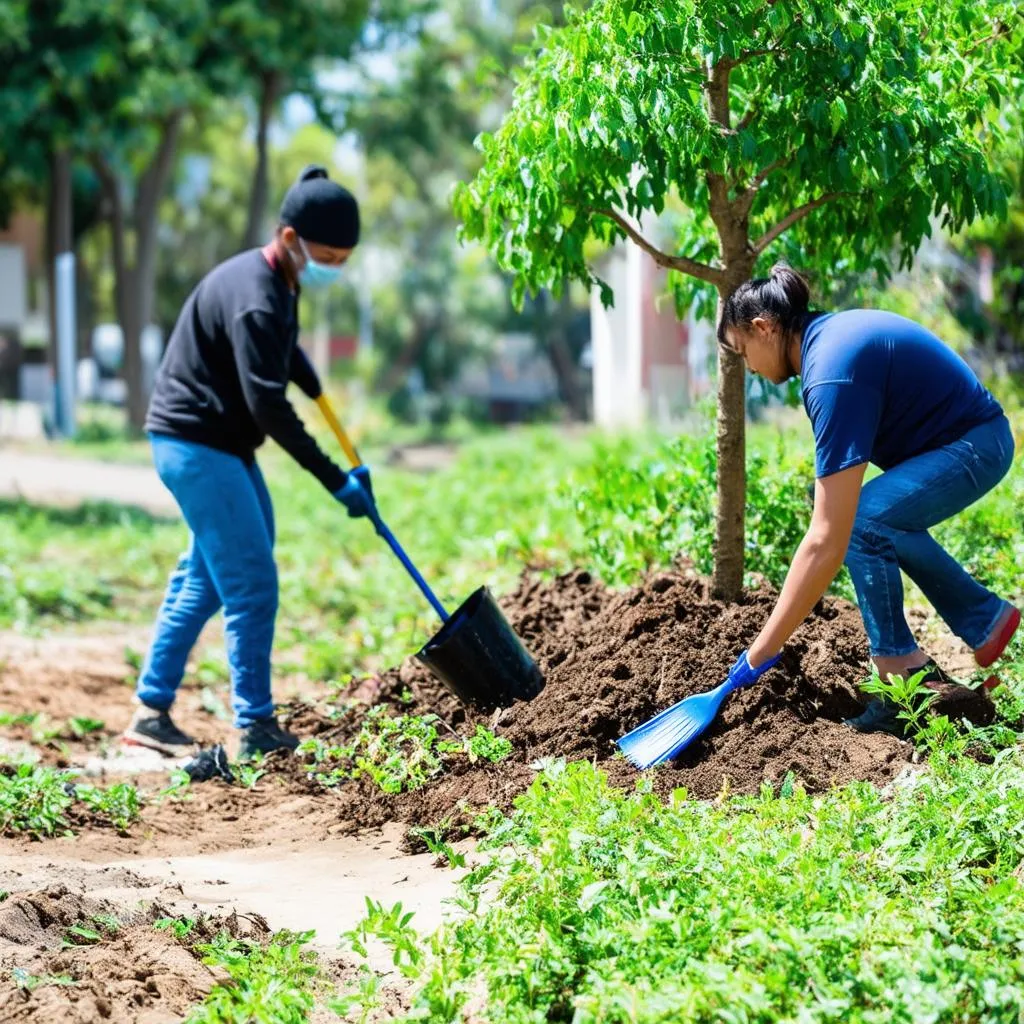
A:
830, 131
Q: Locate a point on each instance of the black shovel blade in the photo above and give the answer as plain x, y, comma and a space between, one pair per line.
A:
478, 657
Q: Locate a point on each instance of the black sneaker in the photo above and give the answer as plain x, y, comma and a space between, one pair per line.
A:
155, 729
264, 737
881, 715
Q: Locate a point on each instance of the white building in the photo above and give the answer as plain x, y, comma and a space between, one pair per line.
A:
648, 366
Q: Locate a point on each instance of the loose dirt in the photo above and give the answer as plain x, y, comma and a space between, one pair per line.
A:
121, 968
614, 659
70, 955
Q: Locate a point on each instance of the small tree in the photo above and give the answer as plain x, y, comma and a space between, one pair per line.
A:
832, 130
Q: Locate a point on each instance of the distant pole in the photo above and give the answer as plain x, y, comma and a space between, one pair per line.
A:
60, 239
64, 277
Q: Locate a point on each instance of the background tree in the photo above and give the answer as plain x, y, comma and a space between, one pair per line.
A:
828, 131
999, 325
282, 46
111, 82
417, 129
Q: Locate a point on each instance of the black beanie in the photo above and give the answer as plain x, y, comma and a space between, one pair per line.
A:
321, 211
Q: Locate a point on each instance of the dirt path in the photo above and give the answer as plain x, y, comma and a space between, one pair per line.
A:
45, 478
88, 674
246, 861
308, 883
66, 482
138, 973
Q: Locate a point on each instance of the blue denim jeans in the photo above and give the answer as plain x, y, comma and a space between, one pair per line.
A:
229, 563
890, 533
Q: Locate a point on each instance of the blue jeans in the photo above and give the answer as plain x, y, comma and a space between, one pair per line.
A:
890, 533
229, 563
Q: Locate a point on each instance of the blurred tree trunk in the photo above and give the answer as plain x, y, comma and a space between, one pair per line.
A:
393, 375
555, 338
135, 280
59, 235
259, 194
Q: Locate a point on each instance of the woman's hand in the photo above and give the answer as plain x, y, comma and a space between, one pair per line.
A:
817, 560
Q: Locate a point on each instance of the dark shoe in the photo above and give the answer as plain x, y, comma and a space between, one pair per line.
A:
264, 737
154, 729
881, 715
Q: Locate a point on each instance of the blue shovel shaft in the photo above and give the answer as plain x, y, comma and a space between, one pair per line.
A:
392, 542
353, 456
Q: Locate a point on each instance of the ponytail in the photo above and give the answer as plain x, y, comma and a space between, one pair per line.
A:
782, 296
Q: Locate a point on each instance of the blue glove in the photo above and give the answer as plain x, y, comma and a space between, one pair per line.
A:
362, 474
354, 496
744, 674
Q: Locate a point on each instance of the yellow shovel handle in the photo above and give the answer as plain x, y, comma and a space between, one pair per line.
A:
339, 431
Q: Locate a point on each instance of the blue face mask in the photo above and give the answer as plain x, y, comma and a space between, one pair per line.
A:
316, 276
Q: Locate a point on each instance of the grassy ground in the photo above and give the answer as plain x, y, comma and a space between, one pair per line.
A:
344, 597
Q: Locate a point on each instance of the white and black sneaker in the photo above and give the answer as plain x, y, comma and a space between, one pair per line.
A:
156, 730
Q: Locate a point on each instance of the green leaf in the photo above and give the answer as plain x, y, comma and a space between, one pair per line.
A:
837, 114
590, 896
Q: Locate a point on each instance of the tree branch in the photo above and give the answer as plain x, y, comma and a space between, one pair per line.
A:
751, 54
154, 178
732, 229
1002, 30
684, 264
746, 120
768, 50
762, 175
791, 218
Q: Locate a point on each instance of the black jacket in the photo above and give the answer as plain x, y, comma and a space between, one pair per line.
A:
228, 361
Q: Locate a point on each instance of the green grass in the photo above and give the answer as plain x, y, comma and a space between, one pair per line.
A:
274, 982
30, 982
849, 907
399, 753
35, 800
529, 497
642, 500
346, 603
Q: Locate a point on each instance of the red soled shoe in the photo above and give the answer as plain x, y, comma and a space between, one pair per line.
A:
993, 648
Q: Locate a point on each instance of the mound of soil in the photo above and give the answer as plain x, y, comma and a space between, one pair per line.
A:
133, 973
612, 659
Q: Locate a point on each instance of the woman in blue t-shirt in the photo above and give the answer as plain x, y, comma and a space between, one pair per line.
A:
877, 388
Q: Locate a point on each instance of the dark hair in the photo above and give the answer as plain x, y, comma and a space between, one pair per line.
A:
782, 296
321, 210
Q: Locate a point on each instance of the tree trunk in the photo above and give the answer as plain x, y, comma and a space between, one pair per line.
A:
132, 322
730, 438
393, 375
730, 217
135, 285
270, 86
59, 235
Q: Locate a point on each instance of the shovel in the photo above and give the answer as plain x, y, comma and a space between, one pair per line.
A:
476, 654
671, 732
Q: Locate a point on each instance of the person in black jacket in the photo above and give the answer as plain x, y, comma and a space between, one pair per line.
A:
219, 393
